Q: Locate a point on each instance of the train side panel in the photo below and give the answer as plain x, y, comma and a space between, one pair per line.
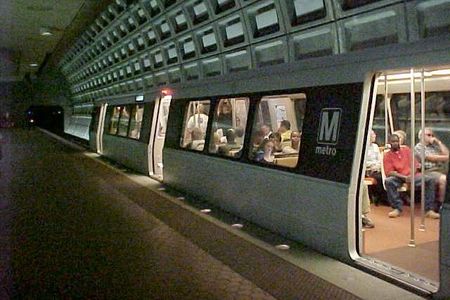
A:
299, 207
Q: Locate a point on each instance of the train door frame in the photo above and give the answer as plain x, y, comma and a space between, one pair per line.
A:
101, 128
156, 141
415, 77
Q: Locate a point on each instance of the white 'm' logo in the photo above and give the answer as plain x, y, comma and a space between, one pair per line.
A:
330, 121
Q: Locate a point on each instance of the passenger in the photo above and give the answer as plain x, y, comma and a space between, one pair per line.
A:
397, 169
231, 139
436, 159
224, 118
198, 141
265, 152
365, 209
215, 143
285, 130
402, 136
266, 131
239, 135
257, 140
199, 119
373, 170
294, 147
276, 140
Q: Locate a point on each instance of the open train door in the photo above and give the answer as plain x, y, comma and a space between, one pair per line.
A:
100, 127
158, 134
407, 244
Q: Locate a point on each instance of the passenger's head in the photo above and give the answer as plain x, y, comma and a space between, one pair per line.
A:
428, 136
239, 132
394, 140
200, 108
295, 139
265, 129
373, 136
196, 134
401, 135
231, 136
285, 125
275, 137
267, 147
225, 107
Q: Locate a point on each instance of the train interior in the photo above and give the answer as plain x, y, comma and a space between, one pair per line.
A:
404, 102
277, 122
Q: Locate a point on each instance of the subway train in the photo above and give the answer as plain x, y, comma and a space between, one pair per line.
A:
202, 139
284, 145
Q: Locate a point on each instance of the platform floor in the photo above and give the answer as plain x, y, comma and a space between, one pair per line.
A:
74, 227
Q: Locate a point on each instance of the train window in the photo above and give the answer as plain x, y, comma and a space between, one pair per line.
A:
137, 113
114, 120
195, 124
124, 121
228, 129
277, 128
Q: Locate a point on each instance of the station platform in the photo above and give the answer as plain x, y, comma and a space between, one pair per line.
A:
74, 226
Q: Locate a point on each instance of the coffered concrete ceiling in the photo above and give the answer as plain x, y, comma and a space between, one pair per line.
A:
23, 24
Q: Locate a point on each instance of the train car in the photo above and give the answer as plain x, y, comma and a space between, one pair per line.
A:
272, 105
216, 150
131, 130
79, 121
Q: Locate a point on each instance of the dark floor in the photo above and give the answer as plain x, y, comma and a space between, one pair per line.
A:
81, 238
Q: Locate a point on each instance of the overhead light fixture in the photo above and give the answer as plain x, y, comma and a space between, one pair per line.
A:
34, 65
45, 31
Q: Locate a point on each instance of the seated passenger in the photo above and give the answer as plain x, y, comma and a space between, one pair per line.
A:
294, 147
398, 171
215, 143
275, 138
373, 170
285, 130
265, 129
265, 152
231, 139
197, 141
199, 119
436, 157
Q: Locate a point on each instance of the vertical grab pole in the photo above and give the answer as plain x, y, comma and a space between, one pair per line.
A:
412, 242
386, 111
422, 153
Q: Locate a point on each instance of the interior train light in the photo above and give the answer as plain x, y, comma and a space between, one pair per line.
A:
441, 72
405, 76
166, 92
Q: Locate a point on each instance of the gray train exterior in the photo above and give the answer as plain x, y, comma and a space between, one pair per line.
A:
316, 202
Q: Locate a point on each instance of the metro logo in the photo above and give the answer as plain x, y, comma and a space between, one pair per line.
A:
330, 122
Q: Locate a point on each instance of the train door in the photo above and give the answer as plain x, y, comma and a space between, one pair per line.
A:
157, 136
400, 220
100, 128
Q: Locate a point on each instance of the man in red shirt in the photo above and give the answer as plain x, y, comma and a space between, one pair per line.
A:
397, 168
